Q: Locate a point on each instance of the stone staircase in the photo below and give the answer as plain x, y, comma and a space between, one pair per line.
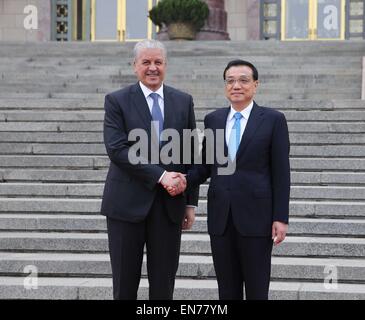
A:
53, 165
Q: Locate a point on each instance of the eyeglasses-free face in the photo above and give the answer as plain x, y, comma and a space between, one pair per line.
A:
150, 67
240, 87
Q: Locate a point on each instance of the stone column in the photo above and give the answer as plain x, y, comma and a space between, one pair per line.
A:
215, 27
253, 19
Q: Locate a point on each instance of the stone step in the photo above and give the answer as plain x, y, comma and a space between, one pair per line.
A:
277, 88
185, 289
333, 127
265, 60
12, 165
299, 84
34, 175
92, 190
198, 267
311, 179
124, 63
180, 73
27, 149
323, 151
82, 103
41, 116
317, 73
301, 115
183, 47
322, 178
326, 164
58, 91
77, 190
298, 172
82, 126
190, 243
49, 95
207, 50
97, 223
313, 209
97, 126
69, 96
326, 192
214, 51
31, 151
285, 92
69, 162
97, 116
97, 137
190, 58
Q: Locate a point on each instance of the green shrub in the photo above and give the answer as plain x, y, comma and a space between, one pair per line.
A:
169, 11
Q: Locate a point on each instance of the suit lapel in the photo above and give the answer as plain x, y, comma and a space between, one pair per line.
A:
221, 124
168, 121
253, 123
169, 113
141, 106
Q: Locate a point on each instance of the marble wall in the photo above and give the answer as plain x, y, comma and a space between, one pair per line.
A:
12, 18
243, 19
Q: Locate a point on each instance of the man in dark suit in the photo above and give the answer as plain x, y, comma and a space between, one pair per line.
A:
247, 210
138, 208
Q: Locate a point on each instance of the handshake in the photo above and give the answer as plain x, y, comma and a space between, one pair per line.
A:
174, 183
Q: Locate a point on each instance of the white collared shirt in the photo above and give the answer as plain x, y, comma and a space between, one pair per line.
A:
146, 91
230, 120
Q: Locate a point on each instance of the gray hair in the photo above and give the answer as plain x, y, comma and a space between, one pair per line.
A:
149, 44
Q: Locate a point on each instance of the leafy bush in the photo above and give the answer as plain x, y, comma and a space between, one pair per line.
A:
169, 11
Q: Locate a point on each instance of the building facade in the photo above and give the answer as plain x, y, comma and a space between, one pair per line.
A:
127, 20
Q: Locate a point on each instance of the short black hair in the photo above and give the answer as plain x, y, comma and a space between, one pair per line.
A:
239, 62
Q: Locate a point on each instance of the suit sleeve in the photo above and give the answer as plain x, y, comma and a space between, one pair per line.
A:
192, 193
117, 146
280, 170
199, 173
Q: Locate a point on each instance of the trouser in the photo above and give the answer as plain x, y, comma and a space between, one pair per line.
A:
239, 261
126, 244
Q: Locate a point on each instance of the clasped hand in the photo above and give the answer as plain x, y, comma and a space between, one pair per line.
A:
174, 183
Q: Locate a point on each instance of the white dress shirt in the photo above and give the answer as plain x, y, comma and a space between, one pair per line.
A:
147, 91
243, 121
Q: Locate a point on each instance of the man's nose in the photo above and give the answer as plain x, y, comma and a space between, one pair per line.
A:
236, 85
152, 67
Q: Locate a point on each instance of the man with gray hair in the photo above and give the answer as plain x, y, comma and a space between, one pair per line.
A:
138, 208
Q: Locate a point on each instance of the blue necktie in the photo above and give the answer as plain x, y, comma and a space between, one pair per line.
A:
157, 114
235, 136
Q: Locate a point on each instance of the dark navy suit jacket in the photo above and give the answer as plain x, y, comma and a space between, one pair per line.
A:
130, 189
257, 193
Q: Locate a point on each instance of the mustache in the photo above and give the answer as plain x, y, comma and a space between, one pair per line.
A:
156, 73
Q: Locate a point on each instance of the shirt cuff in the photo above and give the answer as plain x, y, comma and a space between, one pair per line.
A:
159, 180
191, 206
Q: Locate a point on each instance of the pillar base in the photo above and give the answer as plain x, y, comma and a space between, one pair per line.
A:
215, 27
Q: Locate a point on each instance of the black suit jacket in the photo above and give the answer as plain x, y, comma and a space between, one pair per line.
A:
130, 189
257, 193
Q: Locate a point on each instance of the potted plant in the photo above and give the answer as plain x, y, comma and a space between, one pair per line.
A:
183, 18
